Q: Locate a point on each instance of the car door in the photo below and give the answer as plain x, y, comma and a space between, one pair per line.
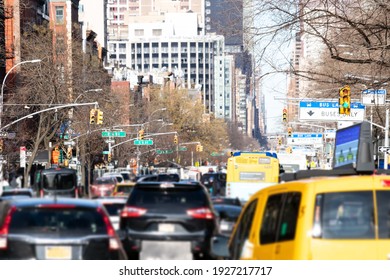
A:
241, 240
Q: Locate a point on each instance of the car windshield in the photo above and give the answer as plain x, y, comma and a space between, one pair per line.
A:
165, 198
57, 181
104, 180
57, 220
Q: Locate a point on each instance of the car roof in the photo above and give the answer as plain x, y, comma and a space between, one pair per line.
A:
109, 200
57, 170
78, 202
155, 184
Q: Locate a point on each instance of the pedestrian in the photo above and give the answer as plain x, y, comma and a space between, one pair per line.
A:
19, 181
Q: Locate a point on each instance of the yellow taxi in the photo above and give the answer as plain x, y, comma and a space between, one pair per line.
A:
339, 217
123, 189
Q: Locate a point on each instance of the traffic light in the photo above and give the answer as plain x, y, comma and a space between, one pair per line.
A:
92, 116
289, 150
345, 101
200, 148
289, 131
141, 133
197, 148
69, 153
280, 141
284, 115
109, 157
175, 140
99, 117
1, 145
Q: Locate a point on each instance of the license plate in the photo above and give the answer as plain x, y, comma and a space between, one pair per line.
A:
58, 252
166, 228
224, 226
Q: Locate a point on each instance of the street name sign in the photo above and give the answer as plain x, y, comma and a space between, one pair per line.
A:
106, 152
384, 149
182, 148
164, 152
328, 111
305, 139
143, 142
71, 143
110, 141
374, 96
113, 133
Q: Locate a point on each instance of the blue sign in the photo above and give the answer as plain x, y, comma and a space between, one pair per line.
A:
306, 135
326, 104
374, 91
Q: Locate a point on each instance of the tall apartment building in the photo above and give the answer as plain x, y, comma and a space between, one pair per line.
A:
192, 60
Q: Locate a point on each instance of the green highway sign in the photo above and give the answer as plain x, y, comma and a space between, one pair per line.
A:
143, 142
113, 133
106, 152
182, 148
163, 152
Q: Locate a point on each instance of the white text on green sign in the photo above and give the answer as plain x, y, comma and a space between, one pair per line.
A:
113, 133
161, 152
143, 142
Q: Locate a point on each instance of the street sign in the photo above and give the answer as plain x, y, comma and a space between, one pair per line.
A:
113, 133
143, 142
71, 143
305, 139
182, 148
384, 149
3, 134
110, 141
216, 154
374, 96
329, 110
164, 152
106, 152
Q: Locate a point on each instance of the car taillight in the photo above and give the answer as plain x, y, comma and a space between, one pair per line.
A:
132, 212
113, 242
386, 183
4, 229
201, 213
41, 193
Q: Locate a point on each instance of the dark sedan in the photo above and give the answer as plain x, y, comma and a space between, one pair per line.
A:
59, 228
227, 215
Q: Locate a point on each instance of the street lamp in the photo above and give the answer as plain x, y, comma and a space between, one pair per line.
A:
2, 86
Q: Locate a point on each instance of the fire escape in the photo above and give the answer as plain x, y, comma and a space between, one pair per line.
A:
9, 32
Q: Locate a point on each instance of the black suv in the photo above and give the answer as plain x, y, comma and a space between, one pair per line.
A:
37, 228
171, 211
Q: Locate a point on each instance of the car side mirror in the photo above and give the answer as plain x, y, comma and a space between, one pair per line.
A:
219, 247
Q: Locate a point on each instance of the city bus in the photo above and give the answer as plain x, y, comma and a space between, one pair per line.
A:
248, 172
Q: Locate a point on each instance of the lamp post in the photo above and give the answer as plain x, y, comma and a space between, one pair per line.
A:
2, 86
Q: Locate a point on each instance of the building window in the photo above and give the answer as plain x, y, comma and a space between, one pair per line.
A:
157, 32
139, 32
59, 15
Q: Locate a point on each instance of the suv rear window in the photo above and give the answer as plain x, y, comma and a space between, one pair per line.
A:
57, 181
188, 197
47, 220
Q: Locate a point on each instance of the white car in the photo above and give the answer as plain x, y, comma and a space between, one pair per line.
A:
118, 176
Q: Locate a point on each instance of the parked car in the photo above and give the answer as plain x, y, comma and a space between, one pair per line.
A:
103, 186
59, 229
123, 189
169, 211
114, 206
163, 177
